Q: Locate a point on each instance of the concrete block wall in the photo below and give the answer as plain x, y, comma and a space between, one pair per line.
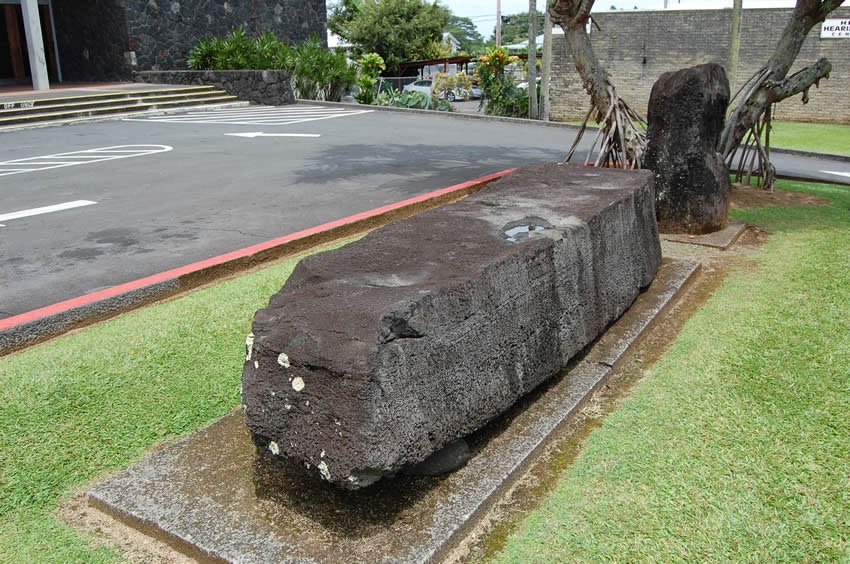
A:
637, 47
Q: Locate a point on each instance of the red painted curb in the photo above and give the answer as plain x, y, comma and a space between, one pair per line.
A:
87, 299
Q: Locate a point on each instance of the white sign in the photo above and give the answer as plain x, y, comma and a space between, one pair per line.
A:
835, 29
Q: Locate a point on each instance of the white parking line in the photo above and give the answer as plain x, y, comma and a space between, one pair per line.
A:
837, 173
256, 115
89, 156
45, 209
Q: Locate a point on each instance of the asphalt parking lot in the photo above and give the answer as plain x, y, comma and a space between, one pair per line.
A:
91, 205
88, 206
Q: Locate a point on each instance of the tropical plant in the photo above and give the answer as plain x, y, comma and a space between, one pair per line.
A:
502, 97
202, 55
317, 72
412, 100
370, 66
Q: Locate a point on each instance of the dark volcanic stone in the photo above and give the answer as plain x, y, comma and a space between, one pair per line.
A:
687, 109
377, 354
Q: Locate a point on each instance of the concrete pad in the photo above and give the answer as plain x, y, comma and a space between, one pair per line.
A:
212, 496
722, 239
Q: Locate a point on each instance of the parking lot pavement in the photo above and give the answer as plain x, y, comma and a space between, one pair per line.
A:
88, 206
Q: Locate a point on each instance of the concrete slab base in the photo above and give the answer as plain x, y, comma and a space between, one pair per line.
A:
213, 497
722, 239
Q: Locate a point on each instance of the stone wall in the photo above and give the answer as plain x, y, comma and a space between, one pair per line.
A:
162, 32
262, 87
91, 36
107, 39
637, 47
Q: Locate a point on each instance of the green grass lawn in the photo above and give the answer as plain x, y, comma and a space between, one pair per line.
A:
94, 401
815, 137
736, 446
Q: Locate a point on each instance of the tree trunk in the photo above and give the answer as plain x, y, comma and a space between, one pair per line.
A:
771, 85
547, 68
532, 59
573, 16
621, 141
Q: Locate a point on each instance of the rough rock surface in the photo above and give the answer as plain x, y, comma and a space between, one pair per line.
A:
272, 88
687, 109
377, 354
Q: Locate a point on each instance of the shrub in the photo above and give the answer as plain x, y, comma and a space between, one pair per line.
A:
502, 97
413, 100
317, 72
371, 66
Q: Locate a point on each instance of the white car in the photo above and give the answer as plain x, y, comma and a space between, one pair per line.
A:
425, 87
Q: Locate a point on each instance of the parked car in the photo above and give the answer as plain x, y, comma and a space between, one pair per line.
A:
423, 86
524, 84
475, 92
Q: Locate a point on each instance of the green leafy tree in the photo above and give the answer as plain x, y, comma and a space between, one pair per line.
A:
397, 30
464, 30
515, 27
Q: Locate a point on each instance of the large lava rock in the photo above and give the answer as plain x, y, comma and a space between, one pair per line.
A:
375, 355
687, 109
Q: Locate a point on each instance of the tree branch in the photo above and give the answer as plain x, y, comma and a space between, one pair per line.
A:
800, 81
828, 6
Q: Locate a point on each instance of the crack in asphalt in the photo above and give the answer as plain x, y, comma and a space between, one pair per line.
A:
245, 233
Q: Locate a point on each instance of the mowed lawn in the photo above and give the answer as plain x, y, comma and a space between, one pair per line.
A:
736, 446
815, 137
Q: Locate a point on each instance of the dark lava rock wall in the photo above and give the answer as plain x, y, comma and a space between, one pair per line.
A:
687, 110
273, 88
162, 32
91, 39
375, 355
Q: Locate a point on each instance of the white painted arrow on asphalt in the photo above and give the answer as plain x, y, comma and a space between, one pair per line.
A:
847, 174
45, 209
253, 134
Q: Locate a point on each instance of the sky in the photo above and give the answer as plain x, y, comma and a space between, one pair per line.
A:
483, 12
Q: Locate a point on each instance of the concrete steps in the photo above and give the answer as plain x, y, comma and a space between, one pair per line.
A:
57, 110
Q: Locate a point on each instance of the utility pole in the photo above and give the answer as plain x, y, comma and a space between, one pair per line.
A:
735, 44
547, 67
498, 23
532, 59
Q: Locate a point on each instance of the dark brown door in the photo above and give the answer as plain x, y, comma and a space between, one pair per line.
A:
13, 63
14, 58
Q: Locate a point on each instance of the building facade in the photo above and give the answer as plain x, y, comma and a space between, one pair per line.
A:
636, 47
103, 40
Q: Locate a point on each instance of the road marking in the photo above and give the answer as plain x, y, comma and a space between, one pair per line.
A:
836, 173
253, 134
45, 209
89, 156
256, 115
